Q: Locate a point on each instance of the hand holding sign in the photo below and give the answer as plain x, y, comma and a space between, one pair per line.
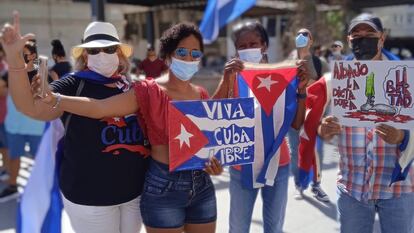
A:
213, 167
329, 127
390, 134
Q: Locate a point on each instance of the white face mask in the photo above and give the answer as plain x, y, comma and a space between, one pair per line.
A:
184, 70
103, 63
251, 55
336, 52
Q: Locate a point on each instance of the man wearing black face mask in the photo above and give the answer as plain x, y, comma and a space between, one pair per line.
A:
368, 156
366, 38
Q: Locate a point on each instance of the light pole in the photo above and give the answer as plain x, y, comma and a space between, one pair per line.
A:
98, 10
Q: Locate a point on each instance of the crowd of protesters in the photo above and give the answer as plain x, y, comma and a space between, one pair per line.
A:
140, 189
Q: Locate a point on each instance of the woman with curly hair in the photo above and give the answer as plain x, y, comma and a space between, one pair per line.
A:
171, 201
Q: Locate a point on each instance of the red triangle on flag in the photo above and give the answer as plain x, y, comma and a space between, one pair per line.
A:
185, 138
268, 85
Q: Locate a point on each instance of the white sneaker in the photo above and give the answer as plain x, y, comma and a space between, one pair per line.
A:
298, 193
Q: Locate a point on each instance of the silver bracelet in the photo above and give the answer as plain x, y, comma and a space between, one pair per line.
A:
58, 99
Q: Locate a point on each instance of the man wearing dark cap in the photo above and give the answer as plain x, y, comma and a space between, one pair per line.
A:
366, 38
369, 157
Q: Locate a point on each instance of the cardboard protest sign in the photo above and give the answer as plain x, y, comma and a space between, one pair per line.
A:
369, 92
201, 129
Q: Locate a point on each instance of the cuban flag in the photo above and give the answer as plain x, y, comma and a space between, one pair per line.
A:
404, 163
199, 130
41, 206
316, 102
219, 13
273, 87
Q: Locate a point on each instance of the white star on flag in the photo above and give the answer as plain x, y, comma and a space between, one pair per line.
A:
184, 136
266, 82
116, 119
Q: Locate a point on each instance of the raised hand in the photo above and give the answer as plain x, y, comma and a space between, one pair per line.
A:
12, 41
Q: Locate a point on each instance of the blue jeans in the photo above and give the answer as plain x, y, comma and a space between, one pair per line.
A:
395, 215
274, 203
293, 142
172, 199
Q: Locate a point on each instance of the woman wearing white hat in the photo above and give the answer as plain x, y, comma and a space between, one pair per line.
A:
101, 175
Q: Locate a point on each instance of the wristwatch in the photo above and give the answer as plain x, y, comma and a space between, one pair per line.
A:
301, 96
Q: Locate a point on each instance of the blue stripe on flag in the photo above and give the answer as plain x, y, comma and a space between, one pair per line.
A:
219, 13
398, 174
41, 205
247, 170
52, 222
242, 87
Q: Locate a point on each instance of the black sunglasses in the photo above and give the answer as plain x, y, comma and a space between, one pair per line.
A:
108, 50
303, 33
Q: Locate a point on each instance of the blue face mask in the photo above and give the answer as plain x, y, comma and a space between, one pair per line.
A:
184, 70
301, 41
251, 55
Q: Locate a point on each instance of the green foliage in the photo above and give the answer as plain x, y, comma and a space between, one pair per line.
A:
335, 22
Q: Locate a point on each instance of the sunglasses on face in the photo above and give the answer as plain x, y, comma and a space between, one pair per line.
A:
335, 46
108, 50
183, 52
303, 33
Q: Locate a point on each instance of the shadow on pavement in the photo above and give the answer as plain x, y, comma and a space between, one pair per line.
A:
327, 208
8, 215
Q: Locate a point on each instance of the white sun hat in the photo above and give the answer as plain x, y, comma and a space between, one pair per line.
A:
100, 35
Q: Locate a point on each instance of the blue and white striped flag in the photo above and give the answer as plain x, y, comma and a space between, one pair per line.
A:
219, 13
40, 207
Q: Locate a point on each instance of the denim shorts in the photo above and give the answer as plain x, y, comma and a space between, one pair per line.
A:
17, 143
170, 200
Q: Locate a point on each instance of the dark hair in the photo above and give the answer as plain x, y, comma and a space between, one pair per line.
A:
58, 49
250, 26
172, 36
31, 46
